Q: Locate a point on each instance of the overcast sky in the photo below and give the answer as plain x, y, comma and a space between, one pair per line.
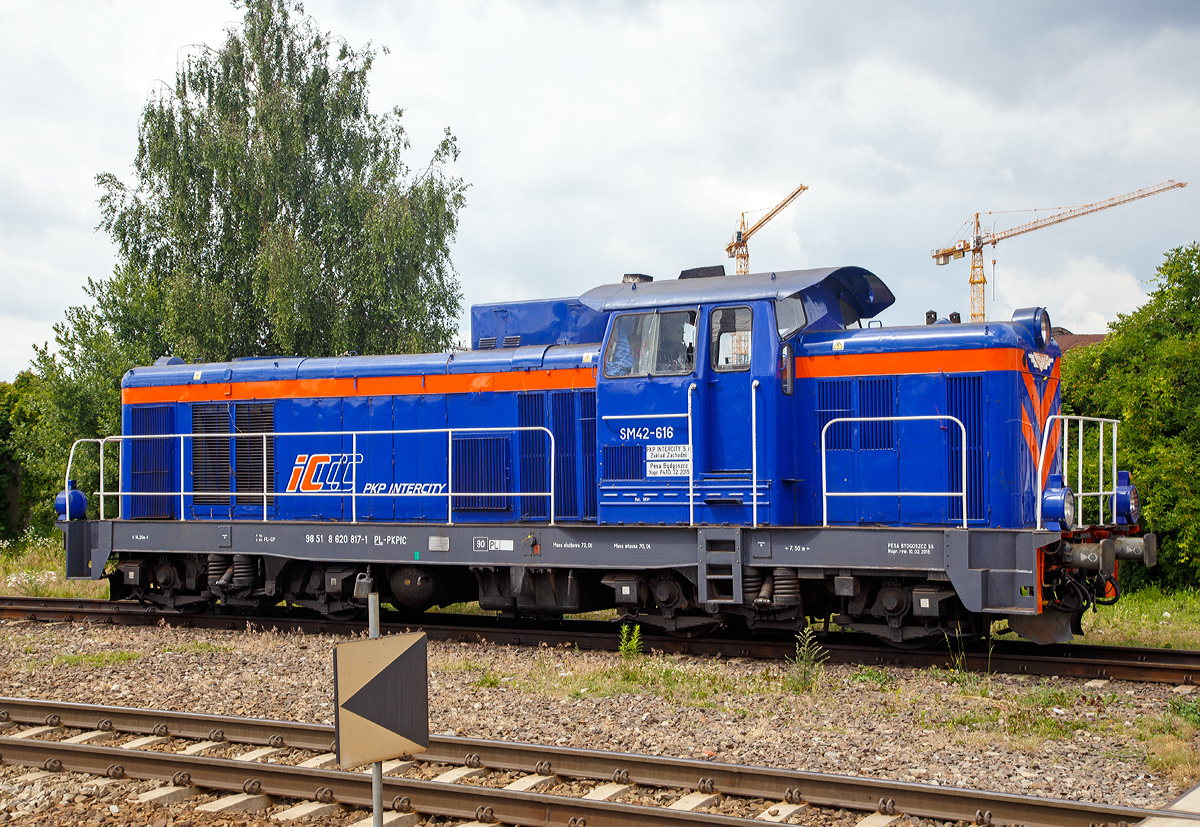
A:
600, 139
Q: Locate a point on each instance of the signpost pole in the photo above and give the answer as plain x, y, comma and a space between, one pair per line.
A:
377, 767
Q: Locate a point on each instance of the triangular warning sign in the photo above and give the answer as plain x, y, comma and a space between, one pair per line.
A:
382, 699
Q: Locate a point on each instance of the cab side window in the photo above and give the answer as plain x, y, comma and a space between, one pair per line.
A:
676, 343
730, 329
790, 315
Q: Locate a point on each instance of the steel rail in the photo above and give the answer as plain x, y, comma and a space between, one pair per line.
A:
1129, 663
853, 792
464, 801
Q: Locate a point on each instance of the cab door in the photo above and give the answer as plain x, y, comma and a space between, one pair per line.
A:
730, 379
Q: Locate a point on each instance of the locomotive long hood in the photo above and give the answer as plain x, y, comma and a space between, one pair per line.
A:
862, 288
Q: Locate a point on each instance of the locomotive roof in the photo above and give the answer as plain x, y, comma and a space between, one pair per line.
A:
862, 287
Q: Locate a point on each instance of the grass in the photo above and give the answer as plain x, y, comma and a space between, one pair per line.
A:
33, 566
1169, 740
488, 679
1147, 617
104, 658
873, 674
557, 673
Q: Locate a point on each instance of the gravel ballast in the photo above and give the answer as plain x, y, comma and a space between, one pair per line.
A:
1053, 737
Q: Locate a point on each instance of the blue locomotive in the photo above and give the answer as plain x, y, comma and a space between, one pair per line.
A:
692, 451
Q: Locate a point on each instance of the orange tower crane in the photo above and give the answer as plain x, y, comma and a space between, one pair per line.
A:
737, 248
975, 244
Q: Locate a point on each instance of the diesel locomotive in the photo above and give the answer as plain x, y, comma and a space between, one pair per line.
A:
752, 449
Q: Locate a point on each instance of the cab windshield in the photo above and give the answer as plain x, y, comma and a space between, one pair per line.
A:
658, 344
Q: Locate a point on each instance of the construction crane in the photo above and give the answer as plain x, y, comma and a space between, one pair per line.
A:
978, 239
736, 248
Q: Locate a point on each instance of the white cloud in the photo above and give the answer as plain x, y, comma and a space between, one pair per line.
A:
1084, 295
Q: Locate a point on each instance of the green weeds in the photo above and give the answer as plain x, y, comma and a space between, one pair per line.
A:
873, 674
488, 679
94, 659
804, 671
630, 646
1186, 710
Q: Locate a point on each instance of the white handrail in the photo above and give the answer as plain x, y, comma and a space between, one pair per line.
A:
754, 450
691, 462
67, 477
353, 493
826, 493
1099, 493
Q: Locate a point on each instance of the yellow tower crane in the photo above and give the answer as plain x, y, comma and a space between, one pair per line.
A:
737, 248
978, 239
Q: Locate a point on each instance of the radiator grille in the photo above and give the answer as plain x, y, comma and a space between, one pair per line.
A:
210, 455
624, 463
833, 401
587, 453
481, 463
531, 413
875, 398
153, 463
964, 399
566, 492
253, 418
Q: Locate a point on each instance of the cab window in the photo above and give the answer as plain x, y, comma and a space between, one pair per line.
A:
730, 338
676, 352
629, 346
662, 344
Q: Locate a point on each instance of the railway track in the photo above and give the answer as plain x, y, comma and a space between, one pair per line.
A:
1174, 666
699, 784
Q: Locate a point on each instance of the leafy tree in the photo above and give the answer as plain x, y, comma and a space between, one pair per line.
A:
1147, 374
11, 511
272, 214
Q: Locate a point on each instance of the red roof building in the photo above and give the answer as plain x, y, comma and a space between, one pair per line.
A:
1068, 340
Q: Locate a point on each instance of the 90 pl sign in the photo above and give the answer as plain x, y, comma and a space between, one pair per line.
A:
488, 544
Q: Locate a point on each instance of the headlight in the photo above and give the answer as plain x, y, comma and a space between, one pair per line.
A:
1126, 505
1058, 504
1037, 321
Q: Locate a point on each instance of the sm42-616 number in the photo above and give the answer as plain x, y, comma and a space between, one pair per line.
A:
662, 432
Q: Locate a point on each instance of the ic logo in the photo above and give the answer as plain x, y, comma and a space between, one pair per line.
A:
323, 472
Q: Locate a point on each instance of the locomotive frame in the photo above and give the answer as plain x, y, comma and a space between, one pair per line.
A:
551, 475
